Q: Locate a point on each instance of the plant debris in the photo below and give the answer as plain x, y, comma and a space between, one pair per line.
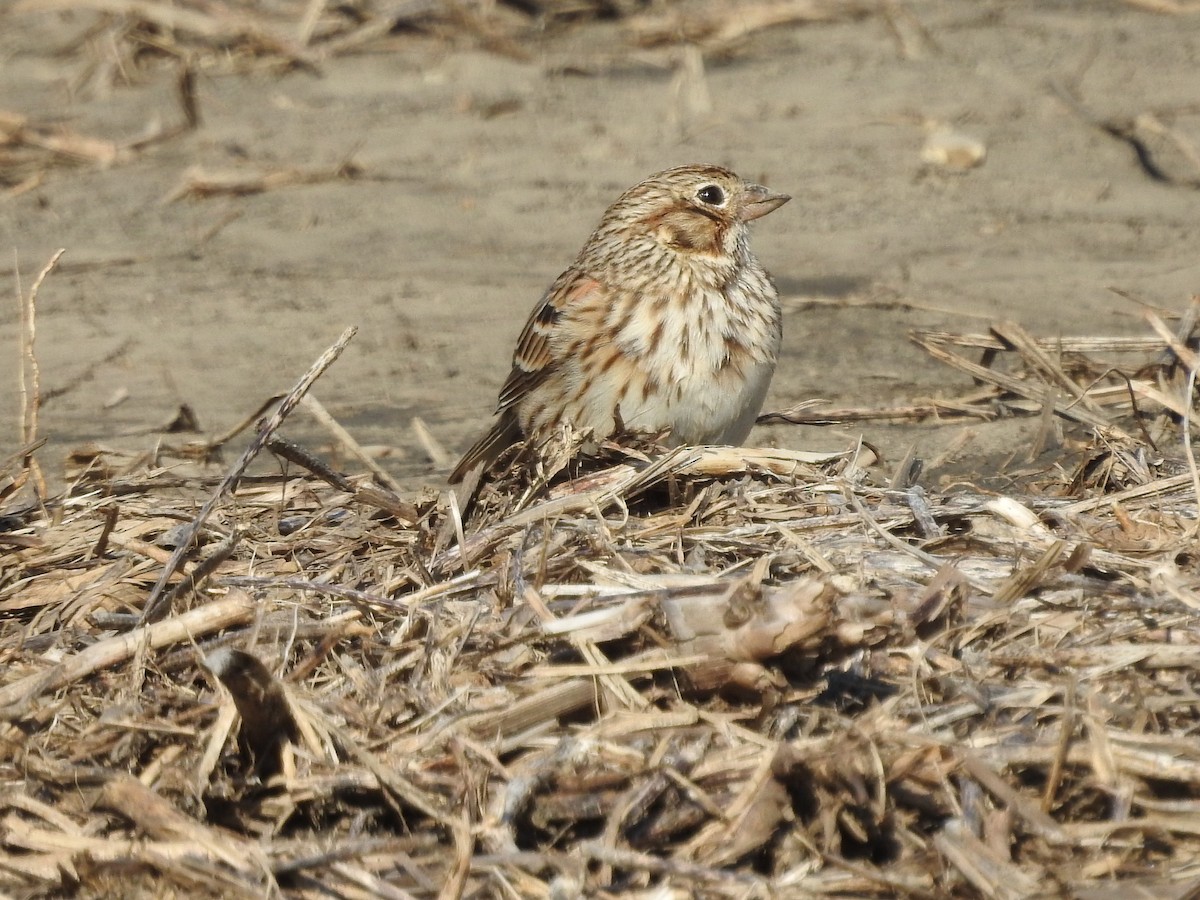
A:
707, 672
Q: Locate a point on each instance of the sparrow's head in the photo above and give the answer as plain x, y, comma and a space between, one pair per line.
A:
696, 211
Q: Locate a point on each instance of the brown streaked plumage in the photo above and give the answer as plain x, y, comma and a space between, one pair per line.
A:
665, 322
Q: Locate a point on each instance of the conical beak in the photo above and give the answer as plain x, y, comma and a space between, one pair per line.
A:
760, 201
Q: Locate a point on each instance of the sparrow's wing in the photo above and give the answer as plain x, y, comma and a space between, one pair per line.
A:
532, 362
534, 358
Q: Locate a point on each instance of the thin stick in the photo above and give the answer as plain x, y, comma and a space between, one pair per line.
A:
205, 568
1185, 354
1159, 488
934, 562
31, 394
24, 342
1020, 583
155, 608
363, 598
376, 496
16, 698
1187, 439
308, 22
1039, 395
1040, 361
1065, 731
346, 439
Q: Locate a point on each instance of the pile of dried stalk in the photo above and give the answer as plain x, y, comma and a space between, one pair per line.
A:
306, 33
701, 673
123, 40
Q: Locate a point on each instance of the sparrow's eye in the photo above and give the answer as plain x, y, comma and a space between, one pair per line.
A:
711, 194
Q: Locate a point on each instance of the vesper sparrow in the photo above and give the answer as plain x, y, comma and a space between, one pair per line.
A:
665, 322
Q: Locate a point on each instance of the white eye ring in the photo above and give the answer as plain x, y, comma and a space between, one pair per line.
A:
712, 195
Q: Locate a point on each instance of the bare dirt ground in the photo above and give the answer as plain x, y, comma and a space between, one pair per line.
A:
478, 176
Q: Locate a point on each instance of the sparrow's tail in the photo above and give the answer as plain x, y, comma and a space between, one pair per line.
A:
503, 434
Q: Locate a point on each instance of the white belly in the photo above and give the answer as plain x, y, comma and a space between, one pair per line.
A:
702, 409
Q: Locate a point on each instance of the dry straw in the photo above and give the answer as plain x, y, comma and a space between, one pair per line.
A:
709, 672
